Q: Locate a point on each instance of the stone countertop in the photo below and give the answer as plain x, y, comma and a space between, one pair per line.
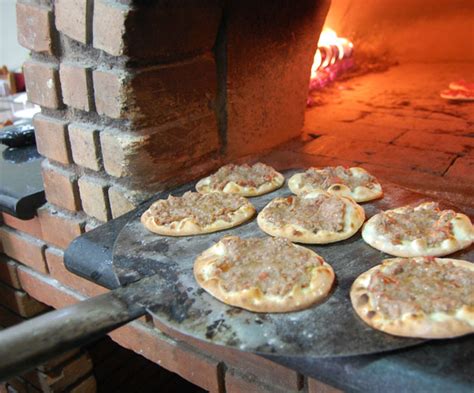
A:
21, 184
436, 366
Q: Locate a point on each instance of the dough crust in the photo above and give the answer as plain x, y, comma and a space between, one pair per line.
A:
208, 184
189, 226
354, 217
422, 325
462, 236
207, 274
298, 185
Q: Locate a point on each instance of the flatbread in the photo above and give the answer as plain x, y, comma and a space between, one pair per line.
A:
423, 230
194, 214
314, 218
244, 180
354, 182
263, 274
421, 297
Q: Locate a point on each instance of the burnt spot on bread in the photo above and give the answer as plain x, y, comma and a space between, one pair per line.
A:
363, 300
371, 314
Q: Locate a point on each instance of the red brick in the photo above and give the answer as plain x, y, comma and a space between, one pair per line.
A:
31, 227
120, 202
109, 93
88, 385
42, 84
462, 168
174, 92
379, 153
59, 360
8, 318
57, 270
238, 383
171, 29
315, 386
85, 145
20, 302
436, 141
51, 138
46, 289
75, 82
59, 380
348, 130
180, 359
252, 366
8, 272
60, 186
34, 27
94, 197
109, 26
24, 248
158, 154
72, 18
59, 228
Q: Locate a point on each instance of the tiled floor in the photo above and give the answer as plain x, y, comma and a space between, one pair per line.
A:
396, 125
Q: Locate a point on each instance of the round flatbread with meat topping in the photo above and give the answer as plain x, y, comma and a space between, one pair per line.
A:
355, 182
244, 180
315, 218
194, 213
263, 274
423, 230
423, 297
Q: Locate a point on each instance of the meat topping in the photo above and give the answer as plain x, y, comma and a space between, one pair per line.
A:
243, 175
324, 212
326, 177
430, 223
411, 286
275, 265
203, 209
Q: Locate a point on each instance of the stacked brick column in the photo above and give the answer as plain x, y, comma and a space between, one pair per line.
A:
138, 96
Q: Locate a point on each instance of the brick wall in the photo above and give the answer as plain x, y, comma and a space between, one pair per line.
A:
139, 96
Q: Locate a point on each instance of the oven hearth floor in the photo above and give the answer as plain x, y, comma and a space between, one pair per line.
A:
397, 126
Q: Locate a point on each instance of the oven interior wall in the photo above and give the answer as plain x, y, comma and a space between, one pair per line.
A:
410, 30
393, 122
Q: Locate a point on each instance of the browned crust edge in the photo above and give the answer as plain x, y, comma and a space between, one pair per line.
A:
354, 218
417, 326
418, 247
254, 299
188, 227
359, 194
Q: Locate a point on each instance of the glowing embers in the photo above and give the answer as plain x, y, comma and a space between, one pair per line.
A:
333, 56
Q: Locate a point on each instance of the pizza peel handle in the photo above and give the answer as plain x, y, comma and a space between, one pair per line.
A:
31, 343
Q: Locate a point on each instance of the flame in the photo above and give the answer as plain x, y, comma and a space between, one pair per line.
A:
328, 37
331, 48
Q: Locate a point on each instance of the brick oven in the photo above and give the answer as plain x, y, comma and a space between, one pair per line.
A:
139, 96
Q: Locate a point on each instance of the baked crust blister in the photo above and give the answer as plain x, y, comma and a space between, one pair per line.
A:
454, 234
239, 281
244, 180
300, 212
180, 216
354, 182
412, 316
